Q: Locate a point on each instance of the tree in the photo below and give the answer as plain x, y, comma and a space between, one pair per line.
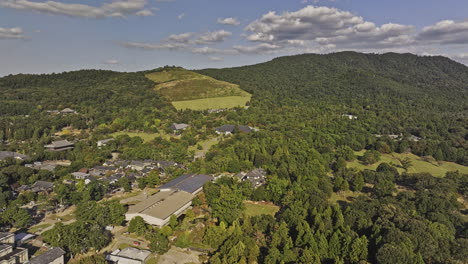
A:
173, 221
137, 225
158, 242
370, 157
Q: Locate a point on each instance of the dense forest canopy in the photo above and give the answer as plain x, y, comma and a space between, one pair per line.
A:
311, 114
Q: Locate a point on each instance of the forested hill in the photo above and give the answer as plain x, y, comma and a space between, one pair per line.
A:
355, 77
101, 94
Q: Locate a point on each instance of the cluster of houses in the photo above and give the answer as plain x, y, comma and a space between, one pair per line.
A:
12, 253
399, 137
112, 170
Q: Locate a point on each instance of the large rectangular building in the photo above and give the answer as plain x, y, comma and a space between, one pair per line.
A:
191, 183
158, 208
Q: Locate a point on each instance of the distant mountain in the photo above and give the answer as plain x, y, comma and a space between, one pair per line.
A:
350, 77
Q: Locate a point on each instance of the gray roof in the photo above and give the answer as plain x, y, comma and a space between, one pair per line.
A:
162, 204
48, 256
10, 154
231, 128
40, 186
60, 144
134, 253
175, 126
188, 182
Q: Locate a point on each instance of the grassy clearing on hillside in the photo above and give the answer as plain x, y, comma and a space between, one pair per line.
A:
253, 209
145, 136
206, 145
345, 196
190, 90
436, 168
212, 103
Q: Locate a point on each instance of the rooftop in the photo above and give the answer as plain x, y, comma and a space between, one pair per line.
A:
48, 256
10, 154
188, 182
134, 253
162, 204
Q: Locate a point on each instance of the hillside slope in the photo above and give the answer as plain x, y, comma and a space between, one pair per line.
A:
187, 89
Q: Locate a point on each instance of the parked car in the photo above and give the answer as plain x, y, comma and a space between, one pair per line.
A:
136, 243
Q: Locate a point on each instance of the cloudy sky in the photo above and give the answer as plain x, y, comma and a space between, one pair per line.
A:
38, 36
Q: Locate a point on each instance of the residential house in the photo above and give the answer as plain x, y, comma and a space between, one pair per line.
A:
42, 187
230, 129
177, 128
60, 145
68, 111
14, 155
257, 177
80, 175
104, 142
128, 256
52, 256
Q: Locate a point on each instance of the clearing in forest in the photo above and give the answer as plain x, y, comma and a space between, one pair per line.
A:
190, 90
419, 164
260, 208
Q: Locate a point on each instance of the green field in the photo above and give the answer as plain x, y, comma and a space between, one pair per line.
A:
212, 103
436, 168
252, 209
145, 136
190, 90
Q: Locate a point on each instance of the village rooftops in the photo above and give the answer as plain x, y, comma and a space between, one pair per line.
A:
60, 145
68, 111
10, 154
192, 183
48, 257
104, 142
128, 256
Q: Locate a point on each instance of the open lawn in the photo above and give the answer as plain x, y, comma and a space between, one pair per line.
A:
259, 208
145, 136
38, 228
190, 90
419, 164
206, 145
345, 196
212, 103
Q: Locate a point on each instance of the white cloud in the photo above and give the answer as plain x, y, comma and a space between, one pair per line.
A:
262, 48
445, 32
115, 8
213, 58
111, 62
326, 26
181, 16
11, 33
213, 37
210, 50
181, 38
229, 21
148, 46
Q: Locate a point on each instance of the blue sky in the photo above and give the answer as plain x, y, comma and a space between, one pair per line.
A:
38, 36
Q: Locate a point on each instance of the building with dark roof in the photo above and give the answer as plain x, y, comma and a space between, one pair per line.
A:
60, 145
53, 256
178, 127
42, 186
230, 129
191, 183
14, 155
